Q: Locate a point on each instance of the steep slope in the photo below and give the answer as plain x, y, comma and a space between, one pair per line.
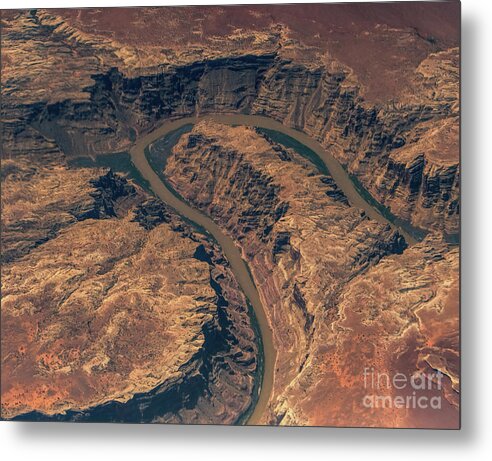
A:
335, 306
110, 297
376, 85
120, 88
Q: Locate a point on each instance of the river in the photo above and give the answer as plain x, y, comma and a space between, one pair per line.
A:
229, 248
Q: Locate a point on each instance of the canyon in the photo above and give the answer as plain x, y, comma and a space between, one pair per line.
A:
262, 288
118, 299
108, 91
313, 258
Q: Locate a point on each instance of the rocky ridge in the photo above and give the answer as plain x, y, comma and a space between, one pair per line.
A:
332, 279
119, 88
308, 249
108, 297
75, 85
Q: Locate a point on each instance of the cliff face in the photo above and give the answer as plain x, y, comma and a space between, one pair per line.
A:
40, 200
335, 306
109, 297
120, 89
405, 153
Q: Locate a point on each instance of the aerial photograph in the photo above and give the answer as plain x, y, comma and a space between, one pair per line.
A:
231, 215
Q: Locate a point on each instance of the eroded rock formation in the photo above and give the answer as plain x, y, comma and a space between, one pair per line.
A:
312, 255
109, 297
83, 250
110, 86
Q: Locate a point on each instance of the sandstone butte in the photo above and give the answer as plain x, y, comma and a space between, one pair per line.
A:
341, 294
376, 85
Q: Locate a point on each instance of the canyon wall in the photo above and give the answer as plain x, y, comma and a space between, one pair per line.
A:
83, 250
316, 263
404, 151
110, 300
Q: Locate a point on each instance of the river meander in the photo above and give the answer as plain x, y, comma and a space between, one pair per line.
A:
169, 133
149, 174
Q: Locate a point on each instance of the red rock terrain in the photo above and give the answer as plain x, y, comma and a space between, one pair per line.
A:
334, 305
106, 295
83, 250
372, 83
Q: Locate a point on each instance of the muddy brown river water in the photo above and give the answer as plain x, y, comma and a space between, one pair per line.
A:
229, 248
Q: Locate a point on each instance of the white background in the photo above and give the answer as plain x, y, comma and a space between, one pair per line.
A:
52, 441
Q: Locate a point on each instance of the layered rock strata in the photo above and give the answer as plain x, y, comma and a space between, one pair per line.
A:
377, 86
110, 84
307, 249
110, 300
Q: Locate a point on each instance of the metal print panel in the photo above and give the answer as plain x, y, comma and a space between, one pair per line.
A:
232, 215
